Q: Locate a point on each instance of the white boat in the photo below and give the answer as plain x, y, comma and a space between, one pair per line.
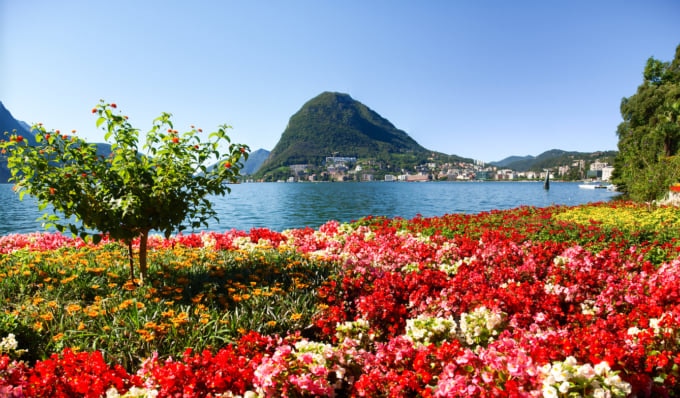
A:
596, 185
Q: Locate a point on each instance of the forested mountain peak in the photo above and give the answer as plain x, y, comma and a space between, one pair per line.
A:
335, 124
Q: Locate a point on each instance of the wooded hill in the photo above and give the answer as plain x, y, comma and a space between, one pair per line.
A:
552, 159
334, 124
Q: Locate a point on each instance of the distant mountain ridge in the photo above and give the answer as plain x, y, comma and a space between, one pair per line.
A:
550, 159
254, 162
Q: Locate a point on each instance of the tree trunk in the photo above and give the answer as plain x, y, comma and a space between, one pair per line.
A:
143, 238
132, 261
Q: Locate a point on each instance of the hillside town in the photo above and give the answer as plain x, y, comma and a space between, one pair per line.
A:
343, 168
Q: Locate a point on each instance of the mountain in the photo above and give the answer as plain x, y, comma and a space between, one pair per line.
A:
9, 125
512, 159
254, 162
334, 124
550, 159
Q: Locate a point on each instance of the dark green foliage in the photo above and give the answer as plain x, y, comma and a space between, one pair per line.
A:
649, 136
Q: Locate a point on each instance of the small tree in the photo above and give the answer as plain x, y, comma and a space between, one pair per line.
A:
129, 192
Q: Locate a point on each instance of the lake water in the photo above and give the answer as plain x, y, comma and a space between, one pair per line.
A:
280, 206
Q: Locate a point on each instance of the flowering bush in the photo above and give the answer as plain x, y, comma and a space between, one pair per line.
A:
481, 326
425, 330
522, 303
568, 378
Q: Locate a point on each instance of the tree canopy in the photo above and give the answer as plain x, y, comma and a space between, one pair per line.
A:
649, 135
160, 185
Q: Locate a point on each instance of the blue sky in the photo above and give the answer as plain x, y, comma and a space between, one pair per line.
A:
481, 79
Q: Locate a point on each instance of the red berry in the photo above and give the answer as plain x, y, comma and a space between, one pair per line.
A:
19, 138
114, 106
175, 140
227, 165
94, 110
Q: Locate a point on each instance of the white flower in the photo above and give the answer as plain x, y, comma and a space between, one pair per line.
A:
9, 343
559, 373
586, 371
601, 393
549, 392
601, 368
564, 387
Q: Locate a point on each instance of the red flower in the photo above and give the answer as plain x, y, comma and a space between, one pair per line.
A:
175, 140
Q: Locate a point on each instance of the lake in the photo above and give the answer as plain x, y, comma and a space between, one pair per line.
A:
280, 206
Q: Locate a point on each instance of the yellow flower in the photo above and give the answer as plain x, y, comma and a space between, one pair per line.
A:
72, 308
125, 304
146, 335
296, 317
81, 326
271, 323
47, 317
58, 337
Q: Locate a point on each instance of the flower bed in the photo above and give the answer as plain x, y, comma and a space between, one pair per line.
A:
525, 302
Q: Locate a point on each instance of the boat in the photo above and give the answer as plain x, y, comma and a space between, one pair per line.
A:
594, 185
